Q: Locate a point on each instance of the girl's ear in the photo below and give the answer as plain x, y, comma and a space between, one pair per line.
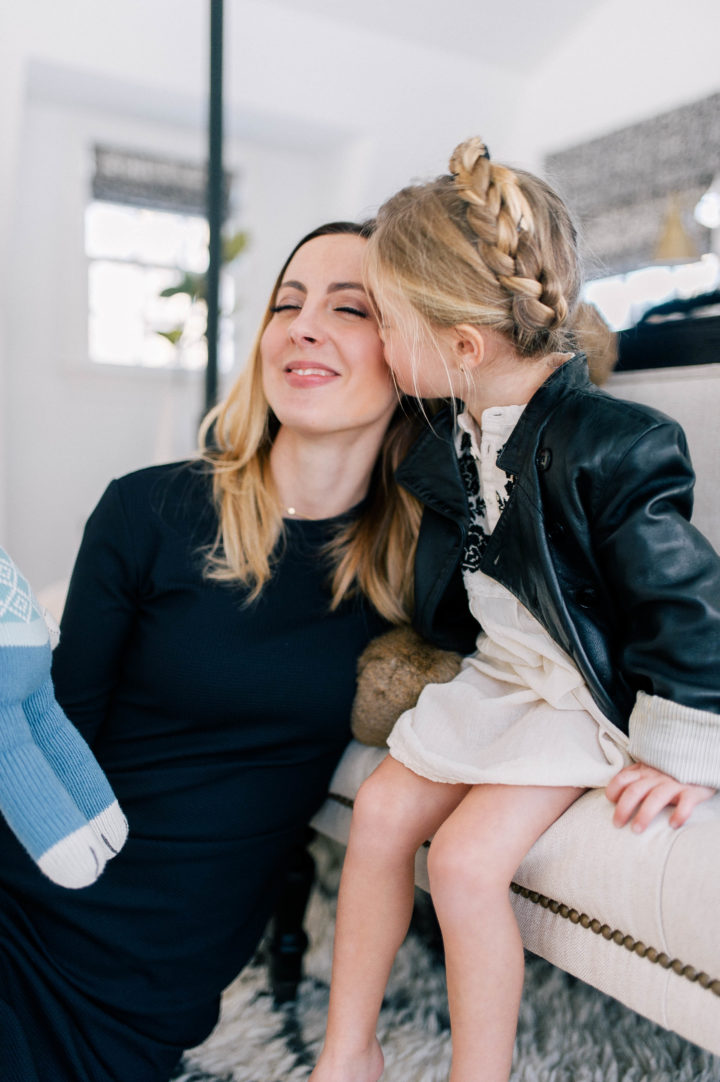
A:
468, 345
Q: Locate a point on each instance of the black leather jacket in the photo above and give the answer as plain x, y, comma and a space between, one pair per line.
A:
596, 542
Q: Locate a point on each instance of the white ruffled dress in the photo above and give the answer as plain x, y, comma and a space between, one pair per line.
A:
519, 711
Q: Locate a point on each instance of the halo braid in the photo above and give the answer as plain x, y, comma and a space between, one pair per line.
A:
501, 219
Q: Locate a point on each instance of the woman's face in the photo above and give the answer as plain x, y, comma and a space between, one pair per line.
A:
322, 358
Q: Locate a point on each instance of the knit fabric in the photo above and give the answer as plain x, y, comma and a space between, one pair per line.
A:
656, 738
50, 784
21, 619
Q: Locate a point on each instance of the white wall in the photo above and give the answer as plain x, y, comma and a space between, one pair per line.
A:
626, 61
318, 125
11, 66
74, 425
321, 122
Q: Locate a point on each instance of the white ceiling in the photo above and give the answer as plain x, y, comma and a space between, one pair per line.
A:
511, 33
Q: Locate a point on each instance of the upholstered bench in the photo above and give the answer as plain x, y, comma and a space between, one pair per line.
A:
634, 916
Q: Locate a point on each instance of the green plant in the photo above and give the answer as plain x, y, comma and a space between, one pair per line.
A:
194, 285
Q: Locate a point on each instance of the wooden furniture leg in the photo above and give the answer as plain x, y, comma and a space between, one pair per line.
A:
288, 939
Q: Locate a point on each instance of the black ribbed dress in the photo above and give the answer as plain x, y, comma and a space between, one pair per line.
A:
219, 726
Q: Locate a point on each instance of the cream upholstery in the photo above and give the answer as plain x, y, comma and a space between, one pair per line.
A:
634, 916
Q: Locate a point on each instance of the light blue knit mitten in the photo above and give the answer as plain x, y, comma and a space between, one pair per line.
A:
53, 793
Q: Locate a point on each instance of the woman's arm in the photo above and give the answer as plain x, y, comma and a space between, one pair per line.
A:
98, 617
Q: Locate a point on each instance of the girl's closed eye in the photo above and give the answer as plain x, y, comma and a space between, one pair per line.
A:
352, 310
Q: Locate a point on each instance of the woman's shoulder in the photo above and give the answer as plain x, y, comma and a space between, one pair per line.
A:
189, 473
175, 493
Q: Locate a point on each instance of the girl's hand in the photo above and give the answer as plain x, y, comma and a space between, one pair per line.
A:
643, 791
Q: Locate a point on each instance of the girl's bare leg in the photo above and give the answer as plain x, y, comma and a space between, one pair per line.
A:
395, 812
472, 860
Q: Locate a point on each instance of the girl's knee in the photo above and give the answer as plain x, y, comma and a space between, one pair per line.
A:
383, 814
375, 812
447, 866
463, 874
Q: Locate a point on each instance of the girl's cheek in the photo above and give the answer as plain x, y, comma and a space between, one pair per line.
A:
394, 360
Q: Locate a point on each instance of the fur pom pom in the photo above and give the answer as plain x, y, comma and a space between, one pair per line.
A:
392, 671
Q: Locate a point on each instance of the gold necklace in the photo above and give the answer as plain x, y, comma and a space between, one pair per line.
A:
296, 514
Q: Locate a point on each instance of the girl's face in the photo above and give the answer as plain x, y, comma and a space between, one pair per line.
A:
323, 366
419, 357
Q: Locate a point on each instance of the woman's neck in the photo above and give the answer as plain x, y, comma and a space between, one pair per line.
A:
321, 477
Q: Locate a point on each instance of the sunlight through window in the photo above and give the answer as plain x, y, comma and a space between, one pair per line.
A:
137, 257
624, 298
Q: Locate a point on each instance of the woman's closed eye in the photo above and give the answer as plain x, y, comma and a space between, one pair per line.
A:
286, 307
295, 306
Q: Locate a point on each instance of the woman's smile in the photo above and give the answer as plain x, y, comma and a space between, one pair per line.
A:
301, 374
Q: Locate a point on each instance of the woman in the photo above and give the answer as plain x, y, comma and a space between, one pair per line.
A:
208, 650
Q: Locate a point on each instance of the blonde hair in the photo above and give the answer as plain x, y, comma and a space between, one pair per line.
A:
374, 553
486, 245
593, 335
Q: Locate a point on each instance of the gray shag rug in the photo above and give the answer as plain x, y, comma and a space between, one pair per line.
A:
567, 1031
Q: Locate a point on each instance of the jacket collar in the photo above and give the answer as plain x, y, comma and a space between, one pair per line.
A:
430, 469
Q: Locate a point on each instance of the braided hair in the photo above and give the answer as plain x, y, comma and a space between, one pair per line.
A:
486, 245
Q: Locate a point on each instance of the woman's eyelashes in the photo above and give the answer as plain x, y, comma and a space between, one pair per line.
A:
295, 306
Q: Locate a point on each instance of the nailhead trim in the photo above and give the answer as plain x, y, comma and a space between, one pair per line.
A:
635, 945
653, 955
344, 800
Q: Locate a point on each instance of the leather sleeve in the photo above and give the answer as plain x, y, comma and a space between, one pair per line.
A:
665, 579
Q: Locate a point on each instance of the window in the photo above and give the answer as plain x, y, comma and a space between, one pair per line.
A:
633, 192
624, 298
146, 240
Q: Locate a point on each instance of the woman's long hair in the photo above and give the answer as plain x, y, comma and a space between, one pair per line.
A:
374, 553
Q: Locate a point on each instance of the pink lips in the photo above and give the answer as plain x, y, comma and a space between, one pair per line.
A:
307, 374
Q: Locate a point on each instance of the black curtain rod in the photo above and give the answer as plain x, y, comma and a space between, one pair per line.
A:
214, 199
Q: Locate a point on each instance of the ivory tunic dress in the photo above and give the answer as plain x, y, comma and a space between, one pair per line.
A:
519, 711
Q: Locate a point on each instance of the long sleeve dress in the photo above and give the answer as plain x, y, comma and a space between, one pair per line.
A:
218, 725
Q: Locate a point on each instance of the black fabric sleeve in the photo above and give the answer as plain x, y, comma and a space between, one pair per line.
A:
98, 617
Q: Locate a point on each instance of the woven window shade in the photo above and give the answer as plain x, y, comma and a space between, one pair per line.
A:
621, 187
145, 180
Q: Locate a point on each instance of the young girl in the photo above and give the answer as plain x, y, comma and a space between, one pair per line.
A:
599, 657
